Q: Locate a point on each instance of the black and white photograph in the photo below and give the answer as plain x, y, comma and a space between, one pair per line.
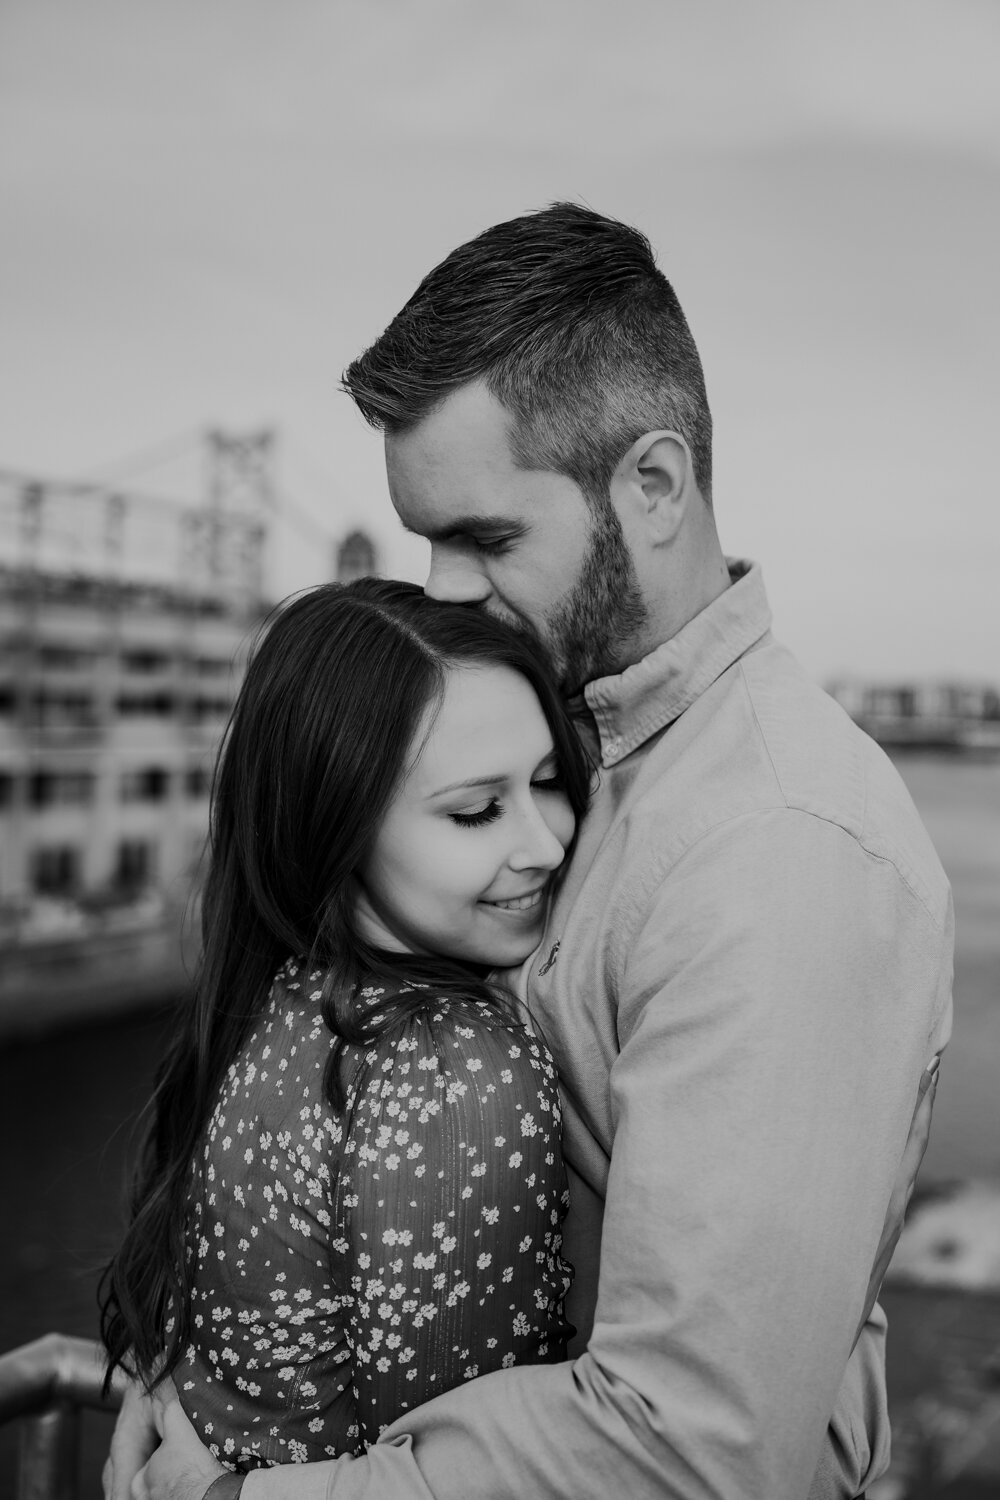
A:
499, 750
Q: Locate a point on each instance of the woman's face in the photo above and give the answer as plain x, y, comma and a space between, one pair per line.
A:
467, 849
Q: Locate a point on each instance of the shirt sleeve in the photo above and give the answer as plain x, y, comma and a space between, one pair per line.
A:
772, 1030
448, 1211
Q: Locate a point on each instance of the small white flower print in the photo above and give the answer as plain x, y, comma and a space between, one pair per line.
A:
294, 1199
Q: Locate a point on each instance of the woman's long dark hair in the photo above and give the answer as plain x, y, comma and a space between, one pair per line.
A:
319, 740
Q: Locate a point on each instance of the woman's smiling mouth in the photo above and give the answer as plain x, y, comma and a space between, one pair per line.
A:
520, 903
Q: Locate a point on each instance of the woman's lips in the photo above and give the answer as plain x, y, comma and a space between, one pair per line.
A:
520, 903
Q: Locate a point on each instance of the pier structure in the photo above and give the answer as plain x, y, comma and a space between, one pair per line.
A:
924, 715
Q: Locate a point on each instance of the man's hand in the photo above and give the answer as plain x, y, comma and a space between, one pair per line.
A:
902, 1189
134, 1439
181, 1468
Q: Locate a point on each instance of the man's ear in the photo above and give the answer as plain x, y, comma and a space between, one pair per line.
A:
653, 484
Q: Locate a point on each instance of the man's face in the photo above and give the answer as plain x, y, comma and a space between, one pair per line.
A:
522, 543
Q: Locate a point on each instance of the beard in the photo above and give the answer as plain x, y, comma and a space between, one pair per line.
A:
589, 633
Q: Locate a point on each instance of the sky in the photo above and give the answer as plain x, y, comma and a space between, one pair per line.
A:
210, 206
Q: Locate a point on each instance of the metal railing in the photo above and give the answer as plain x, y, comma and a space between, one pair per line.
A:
46, 1385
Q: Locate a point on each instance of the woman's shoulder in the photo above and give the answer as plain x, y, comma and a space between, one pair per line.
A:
427, 1032
280, 1069
407, 1031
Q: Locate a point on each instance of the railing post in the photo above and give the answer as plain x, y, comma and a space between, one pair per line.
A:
49, 1454
44, 1385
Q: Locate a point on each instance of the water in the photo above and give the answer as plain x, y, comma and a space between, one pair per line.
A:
67, 1101
959, 801
67, 1098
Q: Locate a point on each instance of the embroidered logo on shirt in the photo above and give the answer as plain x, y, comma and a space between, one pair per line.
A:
547, 965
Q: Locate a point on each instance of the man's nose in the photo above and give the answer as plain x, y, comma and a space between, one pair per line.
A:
456, 579
536, 845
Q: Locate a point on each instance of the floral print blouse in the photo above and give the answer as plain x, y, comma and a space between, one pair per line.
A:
347, 1268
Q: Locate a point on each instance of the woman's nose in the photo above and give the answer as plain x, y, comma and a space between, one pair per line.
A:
537, 847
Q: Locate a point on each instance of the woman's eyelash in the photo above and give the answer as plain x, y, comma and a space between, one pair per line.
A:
493, 810
486, 815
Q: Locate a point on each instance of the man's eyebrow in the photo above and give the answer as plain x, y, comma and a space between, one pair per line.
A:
466, 526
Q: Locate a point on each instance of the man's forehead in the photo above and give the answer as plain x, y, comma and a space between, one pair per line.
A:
442, 495
468, 431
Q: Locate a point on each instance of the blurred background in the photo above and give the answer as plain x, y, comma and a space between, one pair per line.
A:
208, 210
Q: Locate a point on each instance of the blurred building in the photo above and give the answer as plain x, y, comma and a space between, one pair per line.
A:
113, 698
118, 671
112, 701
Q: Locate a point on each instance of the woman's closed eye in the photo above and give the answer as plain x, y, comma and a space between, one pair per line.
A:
478, 817
550, 783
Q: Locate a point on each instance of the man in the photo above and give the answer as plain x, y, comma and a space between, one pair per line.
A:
749, 962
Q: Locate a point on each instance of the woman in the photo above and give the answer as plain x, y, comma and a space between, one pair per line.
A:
351, 1191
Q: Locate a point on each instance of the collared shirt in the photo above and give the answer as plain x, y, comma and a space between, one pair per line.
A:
744, 972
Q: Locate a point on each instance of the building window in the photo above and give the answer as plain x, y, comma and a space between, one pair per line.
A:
145, 705
60, 788
198, 781
211, 666
135, 865
64, 710
145, 660
7, 700
146, 785
6, 790
55, 870
62, 657
209, 708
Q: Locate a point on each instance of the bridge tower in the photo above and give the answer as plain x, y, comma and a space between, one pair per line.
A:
228, 537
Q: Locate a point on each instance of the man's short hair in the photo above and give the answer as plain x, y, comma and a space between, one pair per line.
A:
565, 318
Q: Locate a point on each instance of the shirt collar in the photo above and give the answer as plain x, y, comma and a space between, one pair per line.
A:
646, 697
